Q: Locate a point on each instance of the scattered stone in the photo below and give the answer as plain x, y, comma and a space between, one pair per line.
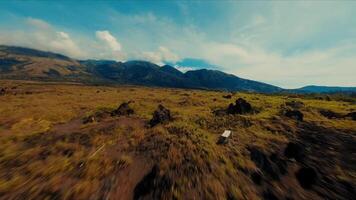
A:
219, 112
68, 152
351, 115
146, 185
330, 114
227, 96
295, 104
256, 177
294, 114
81, 138
294, 150
89, 119
123, 109
307, 177
97, 117
2, 91
161, 115
241, 107
281, 163
263, 162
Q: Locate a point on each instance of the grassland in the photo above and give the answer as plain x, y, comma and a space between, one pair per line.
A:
47, 152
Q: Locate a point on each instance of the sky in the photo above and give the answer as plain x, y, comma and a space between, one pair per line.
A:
285, 43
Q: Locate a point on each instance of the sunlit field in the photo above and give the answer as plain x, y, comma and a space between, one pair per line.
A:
48, 150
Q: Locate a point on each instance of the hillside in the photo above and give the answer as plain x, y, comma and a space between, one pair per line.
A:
326, 89
73, 141
24, 63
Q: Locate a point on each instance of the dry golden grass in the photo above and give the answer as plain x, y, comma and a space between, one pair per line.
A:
37, 159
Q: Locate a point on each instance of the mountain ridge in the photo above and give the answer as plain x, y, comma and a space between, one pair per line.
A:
27, 63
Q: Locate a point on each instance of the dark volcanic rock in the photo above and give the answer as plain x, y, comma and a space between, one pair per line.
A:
96, 117
146, 185
280, 163
295, 104
264, 163
307, 177
219, 112
153, 185
123, 109
241, 107
294, 114
256, 177
2, 91
227, 96
161, 115
330, 114
294, 150
352, 115
89, 119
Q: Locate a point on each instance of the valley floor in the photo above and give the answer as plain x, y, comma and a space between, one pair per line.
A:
66, 141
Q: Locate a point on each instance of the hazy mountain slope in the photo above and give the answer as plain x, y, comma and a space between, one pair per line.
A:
24, 63
214, 79
326, 89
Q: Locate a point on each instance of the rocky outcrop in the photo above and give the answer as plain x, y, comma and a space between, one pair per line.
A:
294, 114
241, 106
160, 116
123, 109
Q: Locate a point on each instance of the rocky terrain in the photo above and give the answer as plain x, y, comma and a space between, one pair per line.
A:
72, 141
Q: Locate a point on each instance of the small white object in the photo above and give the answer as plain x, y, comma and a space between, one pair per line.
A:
226, 134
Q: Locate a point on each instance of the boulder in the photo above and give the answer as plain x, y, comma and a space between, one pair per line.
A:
219, 112
263, 162
123, 109
294, 150
294, 114
146, 185
256, 177
351, 115
2, 91
89, 119
241, 106
306, 177
161, 115
96, 117
330, 114
295, 104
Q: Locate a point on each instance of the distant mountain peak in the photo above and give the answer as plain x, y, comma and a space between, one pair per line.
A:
26, 63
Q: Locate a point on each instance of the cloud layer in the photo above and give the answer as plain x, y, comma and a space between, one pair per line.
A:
109, 40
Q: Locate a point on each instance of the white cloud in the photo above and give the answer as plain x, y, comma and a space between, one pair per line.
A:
310, 67
183, 68
160, 56
109, 40
41, 35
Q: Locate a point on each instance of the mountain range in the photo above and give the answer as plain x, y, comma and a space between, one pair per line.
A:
31, 64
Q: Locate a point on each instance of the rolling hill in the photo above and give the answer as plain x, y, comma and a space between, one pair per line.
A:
30, 64
25, 63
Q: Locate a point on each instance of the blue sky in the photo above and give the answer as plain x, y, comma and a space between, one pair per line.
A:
289, 44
